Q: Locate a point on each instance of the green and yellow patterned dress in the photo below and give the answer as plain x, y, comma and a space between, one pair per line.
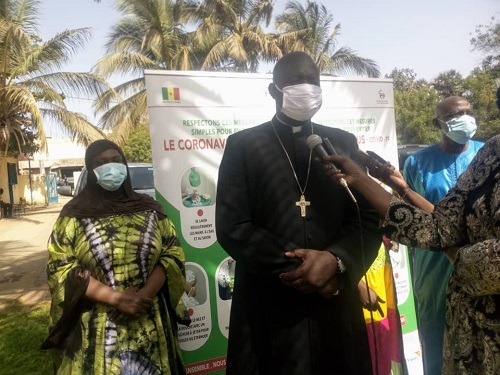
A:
120, 251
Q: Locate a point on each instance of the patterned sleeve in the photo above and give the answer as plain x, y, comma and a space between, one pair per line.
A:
478, 268
172, 260
466, 215
443, 228
62, 259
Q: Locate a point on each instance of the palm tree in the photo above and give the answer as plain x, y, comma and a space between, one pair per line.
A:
152, 34
149, 35
233, 34
307, 28
32, 87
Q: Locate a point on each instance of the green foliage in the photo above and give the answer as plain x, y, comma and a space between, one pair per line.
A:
148, 35
222, 36
480, 91
414, 111
414, 104
449, 83
232, 34
22, 333
23, 141
229, 36
415, 101
137, 147
32, 86
404, 80
487, 40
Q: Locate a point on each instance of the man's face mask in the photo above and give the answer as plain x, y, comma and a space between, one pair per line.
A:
460, 129
301, 102
111, 175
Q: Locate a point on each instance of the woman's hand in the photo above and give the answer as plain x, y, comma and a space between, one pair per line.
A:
129, 304
361, 181
132, 303
395, 181
379, 168
348, 169
370, 300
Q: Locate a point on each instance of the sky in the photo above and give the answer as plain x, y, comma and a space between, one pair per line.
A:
428, 36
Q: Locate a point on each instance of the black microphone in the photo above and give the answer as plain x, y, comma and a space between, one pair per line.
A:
315, 143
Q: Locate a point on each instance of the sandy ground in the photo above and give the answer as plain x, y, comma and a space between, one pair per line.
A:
23, 254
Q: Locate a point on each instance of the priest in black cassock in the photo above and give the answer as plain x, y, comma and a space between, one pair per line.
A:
296, 236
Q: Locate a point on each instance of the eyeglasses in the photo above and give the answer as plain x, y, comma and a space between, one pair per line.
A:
456, 114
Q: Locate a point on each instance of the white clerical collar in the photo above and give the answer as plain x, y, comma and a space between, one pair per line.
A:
295, 129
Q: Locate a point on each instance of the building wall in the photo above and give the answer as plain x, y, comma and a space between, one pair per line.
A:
36, 195
61, 153
38, 192
4, 179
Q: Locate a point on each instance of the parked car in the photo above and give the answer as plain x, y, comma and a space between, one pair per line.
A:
65, 185
141, 176
65, 190
404, 151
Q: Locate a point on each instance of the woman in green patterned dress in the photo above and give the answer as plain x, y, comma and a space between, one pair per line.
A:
116, 274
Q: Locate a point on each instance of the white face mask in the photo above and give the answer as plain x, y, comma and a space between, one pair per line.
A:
111, 175
301, 102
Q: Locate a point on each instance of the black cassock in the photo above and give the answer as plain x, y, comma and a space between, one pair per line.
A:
275, 329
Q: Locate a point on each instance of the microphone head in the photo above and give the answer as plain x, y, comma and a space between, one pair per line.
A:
313, 140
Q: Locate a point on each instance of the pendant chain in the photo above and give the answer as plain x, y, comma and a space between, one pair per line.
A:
302, 203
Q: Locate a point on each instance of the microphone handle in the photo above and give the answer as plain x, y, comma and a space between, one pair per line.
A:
330, 150
321, 152
329, 147
327, 150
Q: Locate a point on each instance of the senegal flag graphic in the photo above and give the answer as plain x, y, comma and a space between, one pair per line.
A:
170, 94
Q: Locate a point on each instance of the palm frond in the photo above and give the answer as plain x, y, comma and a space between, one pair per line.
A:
75, 124
20, 105
125, 34
24, 13
32, 87
127, 114
52, 55
125, 62
261, 11
345, 61
13, 42
216, 55
307, 28
72, 84
115, 95
183, 59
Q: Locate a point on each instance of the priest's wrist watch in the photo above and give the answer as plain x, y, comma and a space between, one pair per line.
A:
340, 265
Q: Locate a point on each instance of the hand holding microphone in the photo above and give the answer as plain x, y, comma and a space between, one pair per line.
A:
315, 143
378, 167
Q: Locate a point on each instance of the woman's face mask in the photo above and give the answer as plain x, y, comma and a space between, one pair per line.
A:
301, 102
110, 176
460, 129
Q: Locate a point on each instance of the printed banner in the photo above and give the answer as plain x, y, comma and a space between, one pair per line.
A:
401, 269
